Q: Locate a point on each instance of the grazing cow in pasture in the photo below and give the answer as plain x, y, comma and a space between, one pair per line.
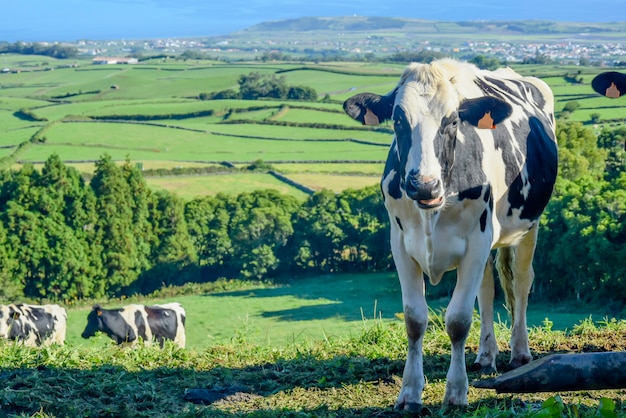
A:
471, 168
127, 324
33, 325
610, 84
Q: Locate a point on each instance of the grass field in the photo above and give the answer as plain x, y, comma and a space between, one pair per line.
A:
313, 309
321, 347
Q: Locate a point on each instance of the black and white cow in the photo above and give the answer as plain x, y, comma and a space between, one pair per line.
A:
127, 324
33, 325
471, 168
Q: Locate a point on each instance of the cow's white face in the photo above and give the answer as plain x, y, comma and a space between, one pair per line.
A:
425, 134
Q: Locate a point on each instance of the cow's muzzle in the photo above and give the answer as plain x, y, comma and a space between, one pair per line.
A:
427, 192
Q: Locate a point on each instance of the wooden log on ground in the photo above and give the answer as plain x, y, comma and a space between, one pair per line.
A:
562, 373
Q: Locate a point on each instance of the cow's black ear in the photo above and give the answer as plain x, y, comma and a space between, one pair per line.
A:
15, 315
484, 112
370, 108
610, 84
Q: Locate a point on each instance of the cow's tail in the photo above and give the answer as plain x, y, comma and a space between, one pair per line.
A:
504, 264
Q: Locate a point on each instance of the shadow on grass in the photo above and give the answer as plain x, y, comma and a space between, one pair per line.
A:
350, 297
339, 386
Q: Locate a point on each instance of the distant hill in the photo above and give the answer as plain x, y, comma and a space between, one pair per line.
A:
363, 23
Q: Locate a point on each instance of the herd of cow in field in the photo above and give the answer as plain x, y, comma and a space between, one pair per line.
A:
471, 168
37, 325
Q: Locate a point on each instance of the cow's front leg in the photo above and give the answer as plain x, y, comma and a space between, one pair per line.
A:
410, 398
416, 319
458, 322
487, 347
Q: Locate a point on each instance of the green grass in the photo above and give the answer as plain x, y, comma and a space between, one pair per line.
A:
322, 347
317, 308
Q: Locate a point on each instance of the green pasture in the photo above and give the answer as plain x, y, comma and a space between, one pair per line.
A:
189, 187
331, 168
87, 141
240, 131
319, 308
15, 136
335, 182
16, 103
302, 134
9, 122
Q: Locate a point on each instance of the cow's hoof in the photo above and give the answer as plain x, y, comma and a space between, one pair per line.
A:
519, 362
488, 370
413, 407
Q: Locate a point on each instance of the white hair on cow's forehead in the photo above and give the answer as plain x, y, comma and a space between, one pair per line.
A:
442, 82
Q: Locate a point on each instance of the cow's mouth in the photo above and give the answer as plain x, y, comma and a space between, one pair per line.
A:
430, 203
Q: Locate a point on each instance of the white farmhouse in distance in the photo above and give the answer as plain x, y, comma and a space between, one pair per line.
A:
114, 60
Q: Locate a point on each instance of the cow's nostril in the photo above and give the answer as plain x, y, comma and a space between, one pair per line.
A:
417, 189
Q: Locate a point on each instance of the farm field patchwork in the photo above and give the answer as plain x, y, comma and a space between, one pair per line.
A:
184, 129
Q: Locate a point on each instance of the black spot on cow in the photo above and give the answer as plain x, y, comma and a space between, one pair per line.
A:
394, 187
541, 166
472, 193
399, 223
483, 221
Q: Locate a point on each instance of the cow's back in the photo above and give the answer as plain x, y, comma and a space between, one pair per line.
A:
518, 158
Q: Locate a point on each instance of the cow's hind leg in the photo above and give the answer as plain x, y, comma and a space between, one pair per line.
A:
487, 348
516, 275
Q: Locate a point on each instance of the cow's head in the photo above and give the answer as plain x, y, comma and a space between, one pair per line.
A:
427, 113
5, 321
94, 322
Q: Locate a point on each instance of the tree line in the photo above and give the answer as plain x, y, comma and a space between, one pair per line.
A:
35, 48
63, 238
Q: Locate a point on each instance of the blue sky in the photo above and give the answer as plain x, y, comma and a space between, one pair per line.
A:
68, 20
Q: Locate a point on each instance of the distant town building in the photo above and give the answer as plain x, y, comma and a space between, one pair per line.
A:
114, 60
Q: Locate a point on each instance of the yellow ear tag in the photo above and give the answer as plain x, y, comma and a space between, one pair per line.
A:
370, 118
613, 92
98, 312
486, 122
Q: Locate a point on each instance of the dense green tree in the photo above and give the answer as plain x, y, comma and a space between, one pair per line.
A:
141, 199
614, 142
64, 207
114, 229
579, 154
260, 226
318, 237
365, 224
301, 93
173, 251
10, 286
208, 220
486, 63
